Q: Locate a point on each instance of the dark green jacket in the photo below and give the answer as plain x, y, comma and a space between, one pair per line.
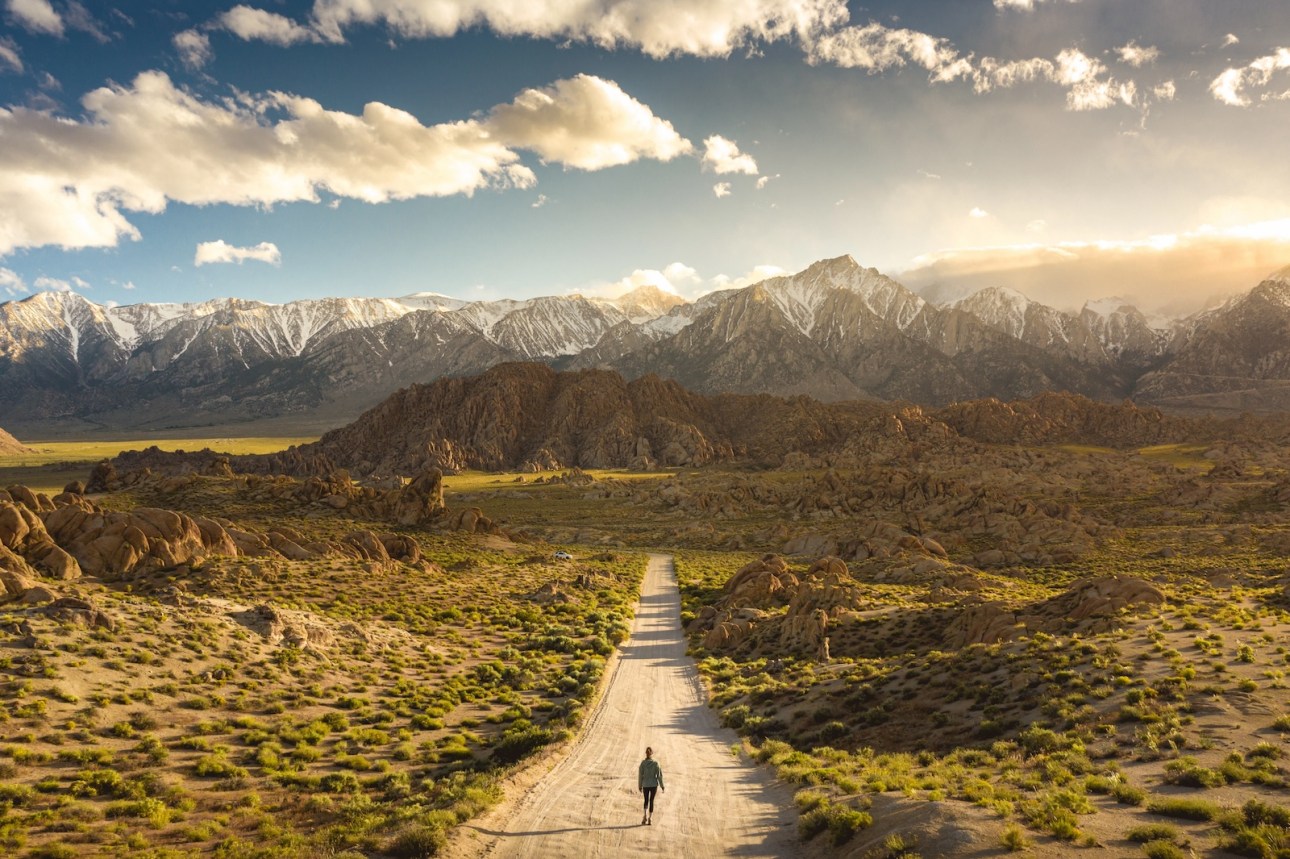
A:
650, 774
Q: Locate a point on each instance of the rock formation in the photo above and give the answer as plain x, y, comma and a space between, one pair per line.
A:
10, 445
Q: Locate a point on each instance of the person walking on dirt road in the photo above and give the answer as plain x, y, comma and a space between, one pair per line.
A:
649, 778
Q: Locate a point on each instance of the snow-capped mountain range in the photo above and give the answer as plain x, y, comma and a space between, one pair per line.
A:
835, 330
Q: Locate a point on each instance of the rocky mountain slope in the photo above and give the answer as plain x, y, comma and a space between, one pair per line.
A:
1235, 356
527, 416
834, 331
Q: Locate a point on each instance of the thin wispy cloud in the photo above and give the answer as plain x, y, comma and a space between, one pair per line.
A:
875, 48
1137, 55
1171, 273
10, 57
193, 47
12, 283
35, 16
1233, 86
1025, 5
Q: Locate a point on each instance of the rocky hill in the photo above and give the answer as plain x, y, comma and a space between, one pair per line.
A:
527, 416
10, 445
835, 331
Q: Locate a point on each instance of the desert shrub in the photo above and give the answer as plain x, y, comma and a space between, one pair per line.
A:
15, 796
1185, 808
845, 822
842, 821
1128, 794
1163, 850
153, 810
97, 783
808, 800
736, 716
218, 766
1186, 771
1257, 813
1265, 751
56, 850
519, 741
1152, 832
1014, 838
895, 846
417, 842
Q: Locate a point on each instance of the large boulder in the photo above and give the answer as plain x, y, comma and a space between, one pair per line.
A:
23, 533
421, 500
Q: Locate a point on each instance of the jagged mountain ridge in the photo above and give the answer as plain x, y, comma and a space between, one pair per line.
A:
528, 416
835, 331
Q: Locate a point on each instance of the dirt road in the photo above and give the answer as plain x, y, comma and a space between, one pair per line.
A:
716, 804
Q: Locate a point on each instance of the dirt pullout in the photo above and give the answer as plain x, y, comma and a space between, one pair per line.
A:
716, 803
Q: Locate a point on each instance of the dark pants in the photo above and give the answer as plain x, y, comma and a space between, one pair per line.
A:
649, 798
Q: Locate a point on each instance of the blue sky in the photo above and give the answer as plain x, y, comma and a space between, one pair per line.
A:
1072, 149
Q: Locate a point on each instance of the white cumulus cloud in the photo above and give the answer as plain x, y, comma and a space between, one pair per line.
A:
220, 251
723, 156
659, 28
585, 122
681, 279
757, 274
1231, 86
252, 24
37, 16
721, 189
70, 182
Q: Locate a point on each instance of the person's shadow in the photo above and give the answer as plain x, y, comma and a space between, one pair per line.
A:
500, 833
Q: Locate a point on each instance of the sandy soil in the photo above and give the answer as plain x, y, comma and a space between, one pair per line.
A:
586, 804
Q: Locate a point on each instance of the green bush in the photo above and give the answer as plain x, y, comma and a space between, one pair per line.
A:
845, 822
842, 821
415, 843
1152, 832
1014, 838
57, 850
1163, 850
518, 744
1185, 808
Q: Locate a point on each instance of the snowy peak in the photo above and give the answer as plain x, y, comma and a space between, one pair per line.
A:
431, 301
801, 296
1275, 290
999, 307
647, 302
